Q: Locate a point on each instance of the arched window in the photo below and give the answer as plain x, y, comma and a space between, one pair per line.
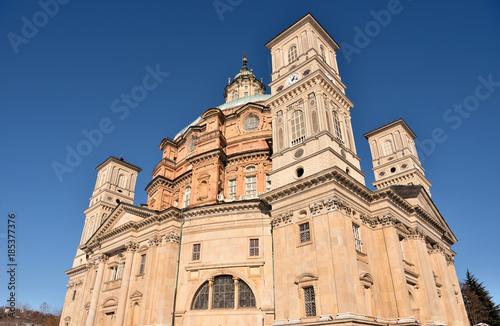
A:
336, 124
298, 127
122, 181
322, 49
235, 94
227, 292
187, 196
103, 178
201, 297
387, 148
292, 54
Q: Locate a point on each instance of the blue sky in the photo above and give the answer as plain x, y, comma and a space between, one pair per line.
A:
423, 62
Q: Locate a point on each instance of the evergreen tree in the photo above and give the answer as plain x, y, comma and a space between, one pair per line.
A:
476, 296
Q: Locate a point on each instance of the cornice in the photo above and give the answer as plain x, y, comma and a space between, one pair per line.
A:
76, 270
157, 182
301, 88
209, 155
238, 158
337, 175
332, 174
251, 204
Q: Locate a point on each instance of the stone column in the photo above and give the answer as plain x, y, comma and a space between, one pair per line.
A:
236, 292
396, 269
461, 306
449, 299
210, 292
101, 260
122, 296
432, 307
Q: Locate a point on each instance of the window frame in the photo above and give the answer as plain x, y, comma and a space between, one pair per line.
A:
386, 149
310, 300
336, 123
358, 242
253, 192
299, 233
292, 54
196, 254
232, 183
209, 287
187, 196
251, 245
142, 264
297, 127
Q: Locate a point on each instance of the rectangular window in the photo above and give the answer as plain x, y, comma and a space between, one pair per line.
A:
196, 251
305, 234
268, 182
251, 186
232, 188
254, 247
74, 295
309, 301
143, 263
245, 94
357, 238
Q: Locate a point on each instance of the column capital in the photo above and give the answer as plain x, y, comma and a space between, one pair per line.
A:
172, 237
131, 246
101, 258
154, 241
416, 233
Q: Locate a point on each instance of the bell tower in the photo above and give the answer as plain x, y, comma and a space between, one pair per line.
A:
311, 114
115, 184
395, 158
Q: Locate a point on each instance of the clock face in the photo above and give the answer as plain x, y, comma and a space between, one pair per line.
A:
292, 79
331, 78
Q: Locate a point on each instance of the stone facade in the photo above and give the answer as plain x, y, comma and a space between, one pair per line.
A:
217, 245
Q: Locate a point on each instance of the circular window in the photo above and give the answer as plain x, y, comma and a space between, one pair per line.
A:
251, 122
393, 170
298, 153
299, 172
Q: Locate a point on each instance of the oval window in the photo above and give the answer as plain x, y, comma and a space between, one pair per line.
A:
250, 168
251, 122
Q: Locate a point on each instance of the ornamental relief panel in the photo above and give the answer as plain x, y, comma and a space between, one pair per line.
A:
285, 219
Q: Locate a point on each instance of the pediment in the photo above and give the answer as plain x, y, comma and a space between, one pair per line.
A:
418, 197
123, 217
249, 106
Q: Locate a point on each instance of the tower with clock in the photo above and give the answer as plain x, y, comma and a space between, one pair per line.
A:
311, 120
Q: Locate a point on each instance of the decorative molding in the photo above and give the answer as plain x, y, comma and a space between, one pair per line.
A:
416, 233
154, 241
172, 237
131, 246
285, 218
331, 204
227, 207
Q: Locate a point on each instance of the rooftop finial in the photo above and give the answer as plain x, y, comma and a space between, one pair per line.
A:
245, 60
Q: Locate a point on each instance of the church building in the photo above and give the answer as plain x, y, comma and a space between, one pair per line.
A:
258, 214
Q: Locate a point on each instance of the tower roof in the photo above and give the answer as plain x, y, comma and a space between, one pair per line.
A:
119, 161
389, 125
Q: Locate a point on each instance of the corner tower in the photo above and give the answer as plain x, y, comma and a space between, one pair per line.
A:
394, 156
311, 120
115, 184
